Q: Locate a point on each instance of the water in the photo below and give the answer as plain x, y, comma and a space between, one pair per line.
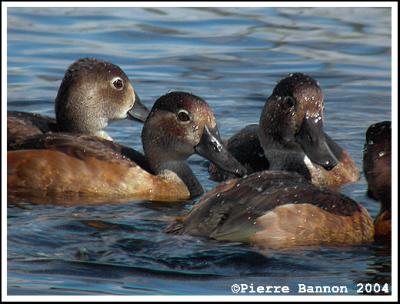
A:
232, 57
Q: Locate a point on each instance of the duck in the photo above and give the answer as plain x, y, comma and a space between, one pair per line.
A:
377, 164
92, 94
282, 210
179, 124
290, 136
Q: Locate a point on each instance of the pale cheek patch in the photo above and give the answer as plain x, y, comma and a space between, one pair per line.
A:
133, 92
127, 102
212, 122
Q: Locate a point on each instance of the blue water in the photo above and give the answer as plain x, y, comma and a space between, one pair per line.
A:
232, 57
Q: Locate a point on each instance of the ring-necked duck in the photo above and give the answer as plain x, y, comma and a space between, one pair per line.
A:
92, 93
377, 163
179, 125
290, 136
281, 209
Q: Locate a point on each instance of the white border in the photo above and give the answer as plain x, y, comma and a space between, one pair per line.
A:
203, 4
233, 298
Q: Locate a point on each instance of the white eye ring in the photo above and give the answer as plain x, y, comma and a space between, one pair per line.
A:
183, 115
117, 83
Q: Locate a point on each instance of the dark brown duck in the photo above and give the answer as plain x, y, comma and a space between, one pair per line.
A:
290, 136
281, 209
377, 163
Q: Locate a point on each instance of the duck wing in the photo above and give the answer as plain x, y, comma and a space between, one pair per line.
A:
21, 125
230, 211
83, 146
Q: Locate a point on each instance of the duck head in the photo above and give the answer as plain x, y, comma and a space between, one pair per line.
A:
292, 120
377, 162
181, 124
94, 93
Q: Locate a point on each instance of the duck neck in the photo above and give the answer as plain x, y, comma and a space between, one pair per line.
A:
284, 154
182, 170
79, 116
165, 155
288, 161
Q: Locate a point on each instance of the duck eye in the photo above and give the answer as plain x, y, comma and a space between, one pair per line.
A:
290, 101
117, 83
183, 115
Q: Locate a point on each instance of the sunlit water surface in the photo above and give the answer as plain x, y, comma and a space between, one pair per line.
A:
232, 58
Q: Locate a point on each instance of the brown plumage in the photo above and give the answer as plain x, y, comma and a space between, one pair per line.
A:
274, 210
22, 125
179, 125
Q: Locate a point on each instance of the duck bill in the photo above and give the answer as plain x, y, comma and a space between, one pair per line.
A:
314, 143
211, 147
138, 112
